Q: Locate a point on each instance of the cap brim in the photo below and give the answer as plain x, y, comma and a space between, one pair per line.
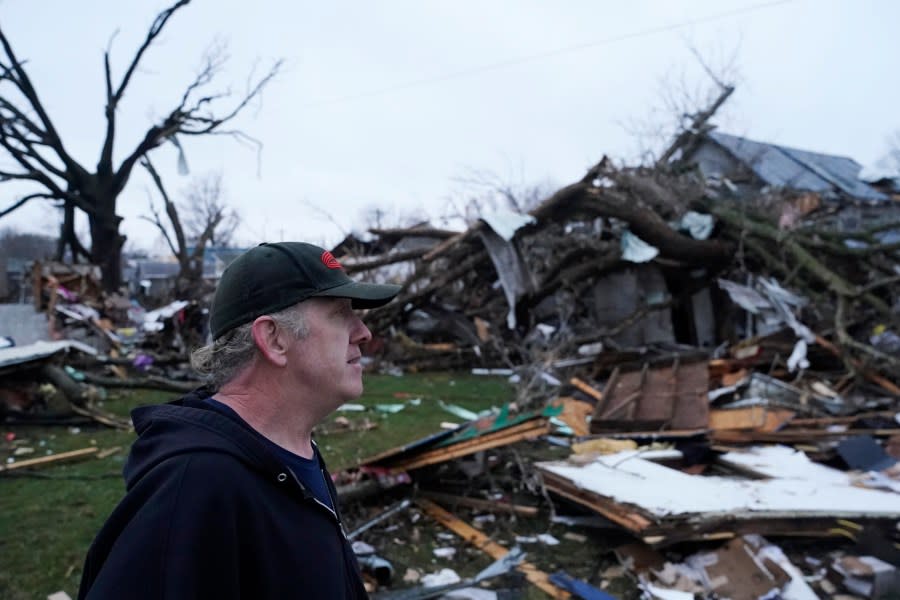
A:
363, 295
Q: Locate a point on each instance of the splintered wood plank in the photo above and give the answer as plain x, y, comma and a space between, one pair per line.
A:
496, 551
479, 504
759, 418
791, 436
49, 460
575, 414
616, 513
504, 437
587, 389
872, 376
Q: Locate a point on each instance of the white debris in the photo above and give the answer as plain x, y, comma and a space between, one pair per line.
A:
442, 577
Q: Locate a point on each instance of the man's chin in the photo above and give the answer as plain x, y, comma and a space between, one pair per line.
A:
354, 393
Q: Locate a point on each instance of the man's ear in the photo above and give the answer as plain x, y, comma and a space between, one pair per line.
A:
269, 340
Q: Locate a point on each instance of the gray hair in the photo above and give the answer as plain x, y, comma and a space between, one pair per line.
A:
220, 361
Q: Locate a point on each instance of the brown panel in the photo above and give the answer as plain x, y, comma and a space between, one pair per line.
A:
670, 397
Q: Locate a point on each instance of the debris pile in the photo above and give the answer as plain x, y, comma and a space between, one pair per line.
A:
711, 510
707, 367
630, 263
96, 341
707, 374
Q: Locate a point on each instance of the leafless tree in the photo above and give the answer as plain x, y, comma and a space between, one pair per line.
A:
517, 196
480, 192
36, 153
376, 216
684, 105
204, 203
207, 221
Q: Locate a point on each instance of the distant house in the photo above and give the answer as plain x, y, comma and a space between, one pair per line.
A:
155, 278
748, 167
215, 259
754, 165
15, 279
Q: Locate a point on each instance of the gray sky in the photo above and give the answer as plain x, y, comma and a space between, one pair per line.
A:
387, 103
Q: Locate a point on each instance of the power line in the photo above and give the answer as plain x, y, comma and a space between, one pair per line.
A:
548, 54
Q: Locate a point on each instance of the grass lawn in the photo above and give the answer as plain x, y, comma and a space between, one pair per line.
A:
48, 517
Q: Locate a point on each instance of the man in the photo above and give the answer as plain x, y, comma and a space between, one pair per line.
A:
227, 495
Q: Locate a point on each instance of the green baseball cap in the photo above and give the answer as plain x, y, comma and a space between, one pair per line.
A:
272, 277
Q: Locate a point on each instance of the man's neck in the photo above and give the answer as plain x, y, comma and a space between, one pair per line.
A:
271, 414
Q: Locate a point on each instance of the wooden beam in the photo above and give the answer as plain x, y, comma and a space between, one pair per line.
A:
632, 521
759, 418
793, 435
867, 373
575, 414
479, 504
587, 389
52, 459
489, 547
502, 437
823, 421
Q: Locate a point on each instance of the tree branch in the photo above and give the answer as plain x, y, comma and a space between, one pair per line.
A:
158, 24
182, 120
22, 201
17, 75
171, 211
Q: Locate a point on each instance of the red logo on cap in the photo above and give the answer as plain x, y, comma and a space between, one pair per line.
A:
330, 261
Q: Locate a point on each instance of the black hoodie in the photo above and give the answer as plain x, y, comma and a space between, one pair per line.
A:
211, 513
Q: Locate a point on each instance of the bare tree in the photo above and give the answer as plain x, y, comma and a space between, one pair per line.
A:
484, 187
207, 221
204, 204
685, 105
37, 153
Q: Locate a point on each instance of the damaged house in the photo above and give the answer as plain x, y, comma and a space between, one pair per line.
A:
750, 168
156, 279
631, 261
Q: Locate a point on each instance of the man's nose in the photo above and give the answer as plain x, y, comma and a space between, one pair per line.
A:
361, 333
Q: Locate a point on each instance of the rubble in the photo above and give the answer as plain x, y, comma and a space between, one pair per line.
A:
701, 357
672, 483
120, 344
691, 322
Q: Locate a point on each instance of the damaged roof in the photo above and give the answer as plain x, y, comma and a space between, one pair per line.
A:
785, 167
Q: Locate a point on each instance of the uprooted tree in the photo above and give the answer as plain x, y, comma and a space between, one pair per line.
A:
37, 154
853, 286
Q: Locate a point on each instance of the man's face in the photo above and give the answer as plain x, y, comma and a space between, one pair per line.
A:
326, 362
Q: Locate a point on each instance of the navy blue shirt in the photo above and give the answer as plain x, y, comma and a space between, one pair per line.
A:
307, 470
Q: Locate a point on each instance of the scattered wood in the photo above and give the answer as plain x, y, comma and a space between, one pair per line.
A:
150, 382
587, 389
672, 397
576, 414
525, 431
109, 452
44, 461
104, 418
759, 418
662, 505
791, 436
479, 504
481, 541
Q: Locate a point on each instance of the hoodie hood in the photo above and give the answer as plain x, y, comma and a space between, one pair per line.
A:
188, 425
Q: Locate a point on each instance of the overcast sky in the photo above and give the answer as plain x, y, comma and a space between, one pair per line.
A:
389, 103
